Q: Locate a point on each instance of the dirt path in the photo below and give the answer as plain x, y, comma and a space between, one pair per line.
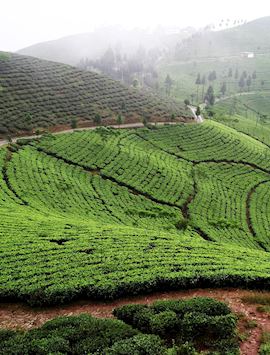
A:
15, 315
125, 125
198, 119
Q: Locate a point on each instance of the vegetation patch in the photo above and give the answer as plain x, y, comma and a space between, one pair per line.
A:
166, 327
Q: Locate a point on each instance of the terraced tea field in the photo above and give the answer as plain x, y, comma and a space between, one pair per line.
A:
37, 94
107, 213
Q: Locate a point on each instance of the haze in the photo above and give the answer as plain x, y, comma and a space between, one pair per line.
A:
23, 23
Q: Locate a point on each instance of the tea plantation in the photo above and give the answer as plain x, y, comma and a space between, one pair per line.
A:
107, 213
37, 94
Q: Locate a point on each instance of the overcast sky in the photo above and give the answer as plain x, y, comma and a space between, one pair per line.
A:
25, 22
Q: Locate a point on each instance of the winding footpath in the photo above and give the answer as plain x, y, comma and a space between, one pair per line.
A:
122, 126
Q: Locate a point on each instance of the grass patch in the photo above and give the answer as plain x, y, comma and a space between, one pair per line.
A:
257, 298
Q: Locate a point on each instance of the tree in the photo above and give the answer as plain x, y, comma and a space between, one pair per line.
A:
97, 119
74, 123
262, 83
242, 83
236, 74
223, 88
254, 75
249, 82
230, 73
198, 111
244, 74
145, 120
210, 96
168, 84
28, 117
187, 102
212, 76
107, 61
119, 120
28, 120
203, 82
192, 96
173, 117
198, 82
198, 79
135, 83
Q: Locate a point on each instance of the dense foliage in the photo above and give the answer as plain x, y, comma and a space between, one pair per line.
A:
118, 212
204, 322
36, 94
166, 327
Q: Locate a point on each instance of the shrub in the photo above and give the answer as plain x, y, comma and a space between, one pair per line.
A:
164, 323
202, 321
6, 334
77, 335
205, 305
183, 349
74, 123
137, 345
126, 313
206, 330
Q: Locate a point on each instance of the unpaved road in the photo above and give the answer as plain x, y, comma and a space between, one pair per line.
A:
17, 315
125, 125
198, 119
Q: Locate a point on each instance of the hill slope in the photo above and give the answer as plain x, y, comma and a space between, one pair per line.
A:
110, 212
72, 49
252, 37
35, 93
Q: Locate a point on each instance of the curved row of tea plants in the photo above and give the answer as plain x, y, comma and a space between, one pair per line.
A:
74, 221
221, 207
210, 141
147, 161
124, 156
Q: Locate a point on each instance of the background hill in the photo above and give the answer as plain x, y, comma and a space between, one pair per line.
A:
92, 45
253, 37
217, 59
35, 93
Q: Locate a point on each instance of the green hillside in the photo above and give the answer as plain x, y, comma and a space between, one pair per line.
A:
252, 37
248, 113
92, 45
220, 52
184, 74
108, 213
37, 94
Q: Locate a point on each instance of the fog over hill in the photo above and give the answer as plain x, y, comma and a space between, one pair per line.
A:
92, 45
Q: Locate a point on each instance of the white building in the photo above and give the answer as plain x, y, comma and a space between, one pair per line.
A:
249, 55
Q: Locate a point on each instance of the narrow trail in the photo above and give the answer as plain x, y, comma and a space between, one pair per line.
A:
199, 118
122, 126
19, 316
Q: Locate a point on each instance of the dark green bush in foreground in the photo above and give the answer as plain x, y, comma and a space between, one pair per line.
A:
67, 335
202, 321
167, 327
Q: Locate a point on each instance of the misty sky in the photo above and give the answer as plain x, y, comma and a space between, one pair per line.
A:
25, 22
